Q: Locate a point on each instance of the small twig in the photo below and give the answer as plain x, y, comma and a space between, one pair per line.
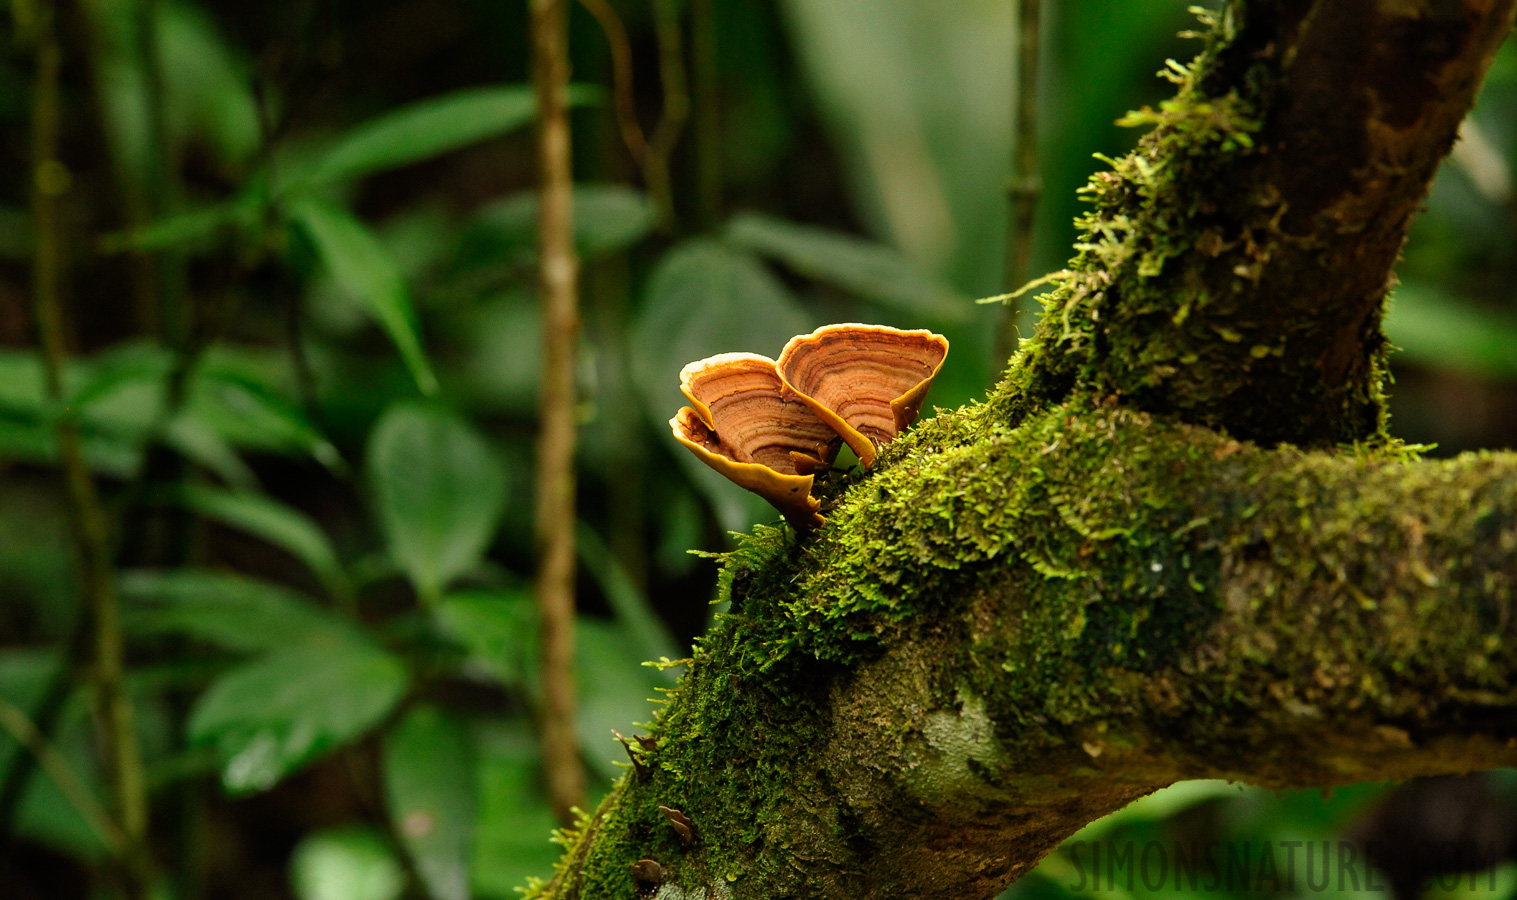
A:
21, 729
1024, 187
621, 77
87, 519
557, 287
671, 72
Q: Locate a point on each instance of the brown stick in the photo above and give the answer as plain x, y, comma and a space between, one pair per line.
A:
1025, 185
557, 276
666, 134
621, 77
87, 519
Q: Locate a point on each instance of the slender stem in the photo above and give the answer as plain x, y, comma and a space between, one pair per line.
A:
671, 72
708, 136
163, 186
557, 277
1025, 184
621, 77
87, 520
73, 788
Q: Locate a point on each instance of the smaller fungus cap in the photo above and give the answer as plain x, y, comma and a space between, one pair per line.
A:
866, 381
741, 425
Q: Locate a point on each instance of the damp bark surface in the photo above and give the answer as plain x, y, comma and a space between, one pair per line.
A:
1175, 542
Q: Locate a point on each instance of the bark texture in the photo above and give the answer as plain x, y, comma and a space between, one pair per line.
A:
1123, 569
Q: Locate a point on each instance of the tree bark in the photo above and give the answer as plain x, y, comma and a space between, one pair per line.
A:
1123, 570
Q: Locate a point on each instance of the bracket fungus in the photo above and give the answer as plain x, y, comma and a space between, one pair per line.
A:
866, 381
741, 425
769, 426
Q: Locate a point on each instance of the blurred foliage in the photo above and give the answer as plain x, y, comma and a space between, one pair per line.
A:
300, 242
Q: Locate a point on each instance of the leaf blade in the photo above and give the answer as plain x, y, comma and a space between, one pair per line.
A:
272, 716
440, 493
429, 777
361, 265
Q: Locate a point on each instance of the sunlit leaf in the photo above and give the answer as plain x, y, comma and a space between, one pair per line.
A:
439, 491
429, 788
228, 610
863, 267
353, 863
273, 715
268, 519
361, 265
431, 127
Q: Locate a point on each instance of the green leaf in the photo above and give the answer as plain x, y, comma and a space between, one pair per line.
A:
706, 298
440, 492
431, 127
250, 412
353, 863
511, 833
194, 441
429, 789
268, 519
1437, 331
633, 611
607, 218
362, 267
46, 815
498, 628
273, 715
616, 691
209, 91
230, 611
193, 227
867, 268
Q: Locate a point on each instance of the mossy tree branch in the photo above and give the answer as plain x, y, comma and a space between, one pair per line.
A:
1237, 263
1118, 572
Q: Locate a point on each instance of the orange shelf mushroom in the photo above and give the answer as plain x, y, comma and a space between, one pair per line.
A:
867, 382
741, 424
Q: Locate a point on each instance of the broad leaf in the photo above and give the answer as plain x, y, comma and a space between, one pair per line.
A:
514, 821
362, 267
431, 127
498, 628
273, 715
439, 490
863, 267
353, 863
616, 691
650, 638
429, 788
268, 519
230, 611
